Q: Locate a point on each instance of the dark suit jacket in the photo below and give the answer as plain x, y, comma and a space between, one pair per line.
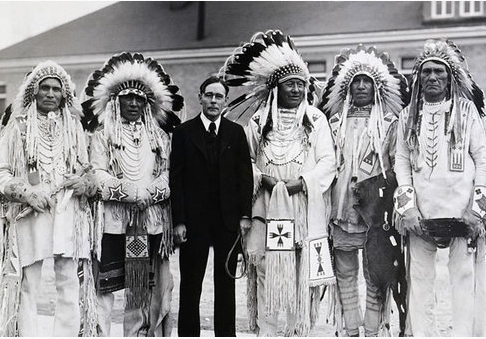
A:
189, 173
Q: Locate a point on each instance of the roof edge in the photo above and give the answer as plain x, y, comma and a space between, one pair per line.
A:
324, 42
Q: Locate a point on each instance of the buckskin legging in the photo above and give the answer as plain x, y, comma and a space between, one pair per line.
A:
422, 302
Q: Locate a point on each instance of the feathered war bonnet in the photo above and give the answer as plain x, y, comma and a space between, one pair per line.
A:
390, 91
461, 85
268, 59
24, 110
131, 73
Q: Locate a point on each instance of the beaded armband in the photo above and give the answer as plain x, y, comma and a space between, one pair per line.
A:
159, 190
17, 190
118, 190
479, 200
404, 199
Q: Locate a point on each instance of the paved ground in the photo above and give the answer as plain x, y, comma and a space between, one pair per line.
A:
322, 329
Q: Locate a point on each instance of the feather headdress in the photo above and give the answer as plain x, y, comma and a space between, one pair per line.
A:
390, 92
24, 113
462, 85
391, 86
261, 64
132, 73
30, 87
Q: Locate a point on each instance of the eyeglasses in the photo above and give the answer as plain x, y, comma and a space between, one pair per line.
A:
210, 95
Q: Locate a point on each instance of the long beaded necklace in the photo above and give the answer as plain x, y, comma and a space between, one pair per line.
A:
283, 145
50, 144
131, 162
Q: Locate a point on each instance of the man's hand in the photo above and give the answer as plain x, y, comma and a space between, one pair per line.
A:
245, 225
76, 183
411, 221
474, 223
180, 234
39, 201
294, 186
268, 182
144, 199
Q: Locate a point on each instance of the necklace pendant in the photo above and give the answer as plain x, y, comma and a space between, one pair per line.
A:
34, 177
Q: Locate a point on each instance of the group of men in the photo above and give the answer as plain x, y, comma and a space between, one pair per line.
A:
111, 186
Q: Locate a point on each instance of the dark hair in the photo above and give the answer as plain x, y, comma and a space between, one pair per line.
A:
211, 80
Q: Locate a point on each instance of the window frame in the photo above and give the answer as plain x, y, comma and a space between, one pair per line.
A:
443, 14
471, 13
3, 96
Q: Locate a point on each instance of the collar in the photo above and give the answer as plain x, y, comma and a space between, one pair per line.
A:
127, 122
206, 122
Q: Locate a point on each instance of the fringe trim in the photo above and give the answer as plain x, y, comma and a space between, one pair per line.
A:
335, 315
251, 296
10, 299
10, 282
384, 328
315, 302
99, 227
257, 184
280, 282
88, 302
16, 148
83, 225
137, 287
309, 295
155, 214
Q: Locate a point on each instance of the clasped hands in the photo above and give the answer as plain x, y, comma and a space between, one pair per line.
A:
293, 185
41, 201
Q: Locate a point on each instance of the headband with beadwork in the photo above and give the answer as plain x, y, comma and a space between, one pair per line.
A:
391, 85
45, 70
132, 73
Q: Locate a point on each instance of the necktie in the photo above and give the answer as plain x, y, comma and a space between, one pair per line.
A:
212, 130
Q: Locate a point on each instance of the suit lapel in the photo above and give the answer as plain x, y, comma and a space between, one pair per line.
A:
197, 135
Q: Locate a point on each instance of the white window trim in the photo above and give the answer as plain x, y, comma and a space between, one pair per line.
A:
406, 71
443, 15
319, 75
3, 95
462, 8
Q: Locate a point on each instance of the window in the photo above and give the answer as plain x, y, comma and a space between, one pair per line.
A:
407, 63
443, 9
318, 69
471, 8
3, 97
406, 67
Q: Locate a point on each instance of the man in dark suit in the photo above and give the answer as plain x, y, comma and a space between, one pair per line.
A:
211, 186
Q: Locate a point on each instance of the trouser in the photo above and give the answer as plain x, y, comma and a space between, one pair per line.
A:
422, 292
152, 321
347, 268
480, 288
67, 315
193, 257
267, 324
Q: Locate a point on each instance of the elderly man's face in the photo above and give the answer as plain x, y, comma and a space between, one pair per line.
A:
49, 96
434, 79
131, 106
362, 90
291, 93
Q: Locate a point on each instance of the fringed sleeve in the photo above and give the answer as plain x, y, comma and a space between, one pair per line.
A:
12, 154
403, 167
110, 187
318, 178
253, 138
